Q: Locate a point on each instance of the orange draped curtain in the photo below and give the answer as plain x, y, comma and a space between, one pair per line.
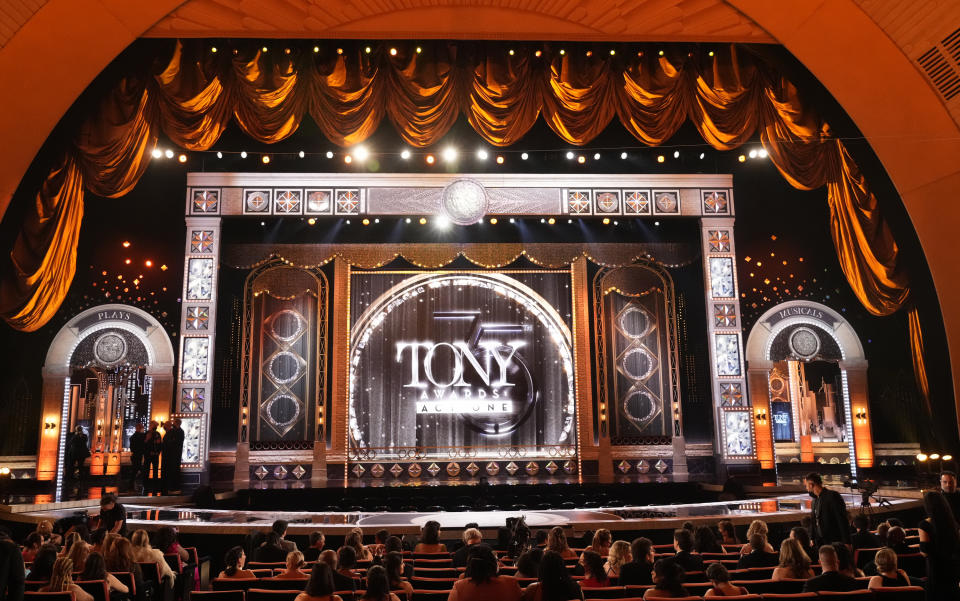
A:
193, 96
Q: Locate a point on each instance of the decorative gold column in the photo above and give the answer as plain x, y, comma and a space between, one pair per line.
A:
339, 364
758, 384
586, 449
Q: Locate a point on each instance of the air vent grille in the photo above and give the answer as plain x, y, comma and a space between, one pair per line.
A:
942, 65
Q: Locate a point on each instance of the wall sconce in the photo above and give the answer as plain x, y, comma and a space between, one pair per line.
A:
49, 425
861, 415
762, 416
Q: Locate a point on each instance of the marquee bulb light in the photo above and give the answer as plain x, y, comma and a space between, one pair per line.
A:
570, 155
182, 158
538, 53
213, 49
348, 159
613, 52
393, 52
368, 49
265, 49
676, 154
710, 53
302, 154
762, 153
551, 221
511, 52
753, 154
596, 156
742, 158
405, 154
423, 221
163, 268
365, 222
606, 221
623, 156
430, 159
312, 220
126, 244
441, 223
449, 154
148, 263
243, 154
934, 456
581, 159
339, 50
921, 457
126, 261
493, 221
329, 154
661, 158
562, 52
316, 49
361, 153
947, 457
219, 155
703, 155
168, 153
482, 154
157, 153
408, 220
266, 159
524, 156
500, 159
419, 49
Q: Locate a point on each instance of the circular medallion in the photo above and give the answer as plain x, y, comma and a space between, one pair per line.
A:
638, 363
641, 408
286, 325
464, 201
635, 321
282, 410
777, 385
804, 343
110, 348
284, 367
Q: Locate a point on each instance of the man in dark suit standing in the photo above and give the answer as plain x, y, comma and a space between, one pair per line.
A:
831, 524
948, 484
172, 455
138, 448
11, 568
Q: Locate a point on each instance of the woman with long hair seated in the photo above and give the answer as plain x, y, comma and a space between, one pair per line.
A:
802, 536
705, 541
121, 559
728, 534
145, 553
78, 555
378, 586
234, 561
42, 566
593, 569
601, 542
430, 539
667, 580
393, 564
553, 582
481, 582
619, 555
757, 527
96, 569
557, 542
718, 575
794, 562
295, 561
168, 541
320, 585
887, 572
61, 581
355, 541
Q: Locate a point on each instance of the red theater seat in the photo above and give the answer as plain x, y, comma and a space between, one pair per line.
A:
97, 588
283, 584
34, 585
433, 584
899, 593
788, 596
422, 595
37, 596
234, 584
216, 595
861, 557
435, 572
690, 598
259, 594
434, 562
604, 592
863, 595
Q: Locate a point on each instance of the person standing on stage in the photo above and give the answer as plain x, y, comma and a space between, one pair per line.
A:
137, 447
172, 455
948, 486
153, 446
831, 524
77, 452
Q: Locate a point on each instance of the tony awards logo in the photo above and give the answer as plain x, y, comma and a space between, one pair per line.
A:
483, 378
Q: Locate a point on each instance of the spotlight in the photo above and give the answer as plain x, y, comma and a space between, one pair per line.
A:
661, 158
408, 220
581, 159
368, 49
596, 156
762, 153
742, 158
606, 221
676, 154
551, 221
243, 154
301, 154
266, 159
441, 223
570, 155
430, 159
493, 221
213, 49
361, 153
482, 154
219, 155
423, 221
126, 244
148, 263
393, 52
365, 222
419, 49
312, 221
348, 159
524, 156
500, 159
562, 52
703, 155
449, 154
316, 49
329, 154
157, 153
752, 154
405, 154
623, 156
510, 52
182, 158
168, 153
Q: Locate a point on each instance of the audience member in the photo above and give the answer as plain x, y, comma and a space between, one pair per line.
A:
831, 579
541, 538
757, 527
887, 572
42, 566
593, 569
61, 581
794, 562
557, 542
705, 541
471, 536
234, 561
639, 571
684, 557
667, 580
845, 563
618, 557
168, 541
45, 530
143, 552
69, 541
96, 569
394, 564
831, 524
758, 557
553, 581
480, 581
719, 577
379, 542
948, 486
728, 534
11, 567
897, 540
293, 569
688, 525
601, 542
31, 546
504, 536
378, 586
528, 564
802, 536
78, 555
430, 539
317, 540
121, 559
280, 527
863, 538
271, 551
320, 586
940, 544
354, 540
882, 531
341, 582
346, 566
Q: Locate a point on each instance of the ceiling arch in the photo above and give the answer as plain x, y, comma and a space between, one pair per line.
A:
860, 50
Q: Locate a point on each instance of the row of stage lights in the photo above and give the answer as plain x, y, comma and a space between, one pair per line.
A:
393, 51
449, 155
441, 222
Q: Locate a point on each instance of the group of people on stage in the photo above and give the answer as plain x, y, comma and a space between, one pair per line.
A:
154, 457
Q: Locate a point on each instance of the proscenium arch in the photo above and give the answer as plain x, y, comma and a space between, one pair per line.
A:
912, 133
758, 341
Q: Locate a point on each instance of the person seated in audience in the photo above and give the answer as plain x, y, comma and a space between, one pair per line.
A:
639, 571
108, 542
705, 541
121, 559
96, 569
293, 569
31, 546
68, 542
845, 563
528, 564
728, 534
280, 527
430, 539
78, 555
379, 542
271, 551
504, 536
683, 544
887, 572
758, 557
97, 540
378, 587
939, 542
719, 577
354, 540
882, 530
863, 538
830, 579
317, 540
42, 566
895, 522
395, 545
143, 552
471, 536
481, 582
320, 586
557, 542
802, 536
757, 527
61, 581
45, 530
601, 542
553, 581
667, 580
794, 562
618, 557
896, 540
394, 565
688, 525
168, 541
541, 538
593, 569
233, 563
341, 582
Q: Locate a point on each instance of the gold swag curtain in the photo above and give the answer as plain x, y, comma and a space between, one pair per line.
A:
193, 96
